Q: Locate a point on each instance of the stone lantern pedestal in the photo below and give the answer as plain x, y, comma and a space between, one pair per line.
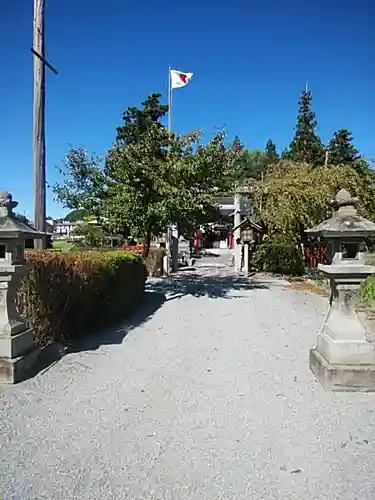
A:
343, 359
344, 356
17, 350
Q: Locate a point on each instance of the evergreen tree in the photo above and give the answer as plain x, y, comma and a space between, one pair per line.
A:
271, 151
138, 120
254, 164
306, 146
341, 150
237, 145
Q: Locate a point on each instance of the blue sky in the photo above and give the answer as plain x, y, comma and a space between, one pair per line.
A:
250, 61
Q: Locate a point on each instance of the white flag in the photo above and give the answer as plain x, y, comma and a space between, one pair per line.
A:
179, 79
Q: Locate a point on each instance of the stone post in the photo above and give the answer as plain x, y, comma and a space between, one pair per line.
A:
17, 350
237, 247
246, 259
166, 258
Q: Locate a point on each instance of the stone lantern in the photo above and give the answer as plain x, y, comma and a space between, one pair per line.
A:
344, 357
17, 350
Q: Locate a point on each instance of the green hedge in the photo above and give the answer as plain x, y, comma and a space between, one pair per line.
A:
279, 257
67, 295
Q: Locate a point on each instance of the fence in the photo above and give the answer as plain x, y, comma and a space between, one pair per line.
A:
316, 254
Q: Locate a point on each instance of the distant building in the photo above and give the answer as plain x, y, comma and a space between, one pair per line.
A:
61, 228
225, 205
220, 235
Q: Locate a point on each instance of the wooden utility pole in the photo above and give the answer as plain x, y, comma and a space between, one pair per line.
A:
39, 142
39, 147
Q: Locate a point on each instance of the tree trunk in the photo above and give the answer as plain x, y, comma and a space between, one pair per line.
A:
146, 248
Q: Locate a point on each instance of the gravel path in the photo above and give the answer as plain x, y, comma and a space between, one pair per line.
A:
208, 397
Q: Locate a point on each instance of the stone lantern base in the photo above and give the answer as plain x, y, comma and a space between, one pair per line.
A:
19, 355
18, 352
344, 356
342, 378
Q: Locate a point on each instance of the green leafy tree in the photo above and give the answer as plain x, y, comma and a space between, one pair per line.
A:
306, 146
250, 164
254, 164
271, 152
92, 234
152, 187
150, 179
294, 197
75, 215
341, 150
366, 191
84, 186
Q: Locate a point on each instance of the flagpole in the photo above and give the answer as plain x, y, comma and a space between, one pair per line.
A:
166, 260
169, 101
172, 234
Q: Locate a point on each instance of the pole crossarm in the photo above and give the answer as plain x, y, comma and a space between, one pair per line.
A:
45, 62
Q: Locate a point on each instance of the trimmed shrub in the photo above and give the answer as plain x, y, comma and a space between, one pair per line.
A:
67, 295
279, 257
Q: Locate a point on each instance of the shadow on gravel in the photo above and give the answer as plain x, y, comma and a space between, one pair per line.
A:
157, 293
198, 285
115, 335
51, 354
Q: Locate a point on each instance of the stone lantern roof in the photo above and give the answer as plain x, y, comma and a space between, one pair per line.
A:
10, 227
345, 222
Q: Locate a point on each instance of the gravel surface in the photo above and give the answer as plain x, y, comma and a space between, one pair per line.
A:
208, 396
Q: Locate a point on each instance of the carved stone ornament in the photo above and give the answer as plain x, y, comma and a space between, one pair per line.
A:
6, 204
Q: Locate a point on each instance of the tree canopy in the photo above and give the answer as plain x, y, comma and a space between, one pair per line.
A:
152, 187
296, 196
84, 184
150, 179
76, 215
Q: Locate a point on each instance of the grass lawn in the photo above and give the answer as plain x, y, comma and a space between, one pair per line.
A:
62, 245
